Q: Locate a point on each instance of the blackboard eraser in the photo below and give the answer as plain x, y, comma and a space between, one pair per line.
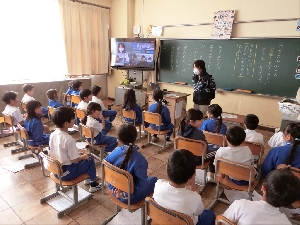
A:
228, 89
243, 90
182, 83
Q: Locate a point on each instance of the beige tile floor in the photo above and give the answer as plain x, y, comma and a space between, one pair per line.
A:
20, 192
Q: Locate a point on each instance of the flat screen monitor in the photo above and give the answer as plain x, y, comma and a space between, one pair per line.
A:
133, 53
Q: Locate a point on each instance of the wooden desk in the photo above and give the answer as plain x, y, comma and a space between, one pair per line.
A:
233, 119
177, 105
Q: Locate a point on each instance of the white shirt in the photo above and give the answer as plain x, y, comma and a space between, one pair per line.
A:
83, 105
239, 154
179, 199
14, 112
91, 122
276, 140
244, 212
27, 98
99, 101
63, 147
254, 136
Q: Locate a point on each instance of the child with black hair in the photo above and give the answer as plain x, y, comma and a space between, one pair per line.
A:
189, 129
281, 137
68, 93
93, 113
96, 93
53, 97
130, 104
157, 107
127, 157
251, 122
174, 195
11, 100
77, 87
235, 136
38, 133
288, 154
29, 91
63, 148
85, 96
214, 122
280, 189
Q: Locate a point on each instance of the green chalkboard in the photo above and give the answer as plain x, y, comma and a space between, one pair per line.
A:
265, 66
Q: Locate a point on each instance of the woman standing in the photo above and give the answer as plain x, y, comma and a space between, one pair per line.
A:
204, 87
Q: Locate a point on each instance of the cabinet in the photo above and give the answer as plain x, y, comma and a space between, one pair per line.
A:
139, 94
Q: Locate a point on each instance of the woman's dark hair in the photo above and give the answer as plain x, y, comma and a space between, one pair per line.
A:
200, 64
216, 111
129, 99
127, 135
158, 96
296, 136
95, 90
282, 188
51, 93
61, 115
192, 114
76, 84
30, 107
92, 106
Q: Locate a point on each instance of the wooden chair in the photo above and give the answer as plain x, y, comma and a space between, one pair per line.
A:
55, 167
3, 132
80, 114
215, 138
236, 170
97, 151
198, 148
123, 181
161, 215
222, 220
66, 99
154, 118
75, 99
50, 112
257, 151
9, 120
34, 149
130, 114
23, 106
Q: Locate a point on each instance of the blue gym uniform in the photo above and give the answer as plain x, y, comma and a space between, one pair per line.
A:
279, 155
137, 166
54, 103
210, 125
165, 117
138, 112
35, 129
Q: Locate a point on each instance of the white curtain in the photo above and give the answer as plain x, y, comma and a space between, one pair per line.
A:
31, 41
86, 37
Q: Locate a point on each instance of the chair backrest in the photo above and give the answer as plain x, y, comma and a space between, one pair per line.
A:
8, 119
23, 105
256, 148
50, 164
50, 111
294, 170
236, 170
130, 114
120, 179
86, 131
80, 113
153, 118
161, 215
222, 220
197, 147
75, 99
215, 138
23, 133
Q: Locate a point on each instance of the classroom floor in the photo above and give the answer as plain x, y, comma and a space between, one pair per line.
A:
20, 192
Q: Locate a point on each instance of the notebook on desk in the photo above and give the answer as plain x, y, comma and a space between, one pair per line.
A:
155, 87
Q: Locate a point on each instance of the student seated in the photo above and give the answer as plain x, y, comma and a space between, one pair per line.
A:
69, 92
279, 138
96, 93
63, 148
93, 113
127, 157
189, 129
280, 189
157, 107
29, 91
174, 194
235, 136
53, 97
288, 154
214, 122
130, 104
251, 122
11, 100
77, 87
38, 133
